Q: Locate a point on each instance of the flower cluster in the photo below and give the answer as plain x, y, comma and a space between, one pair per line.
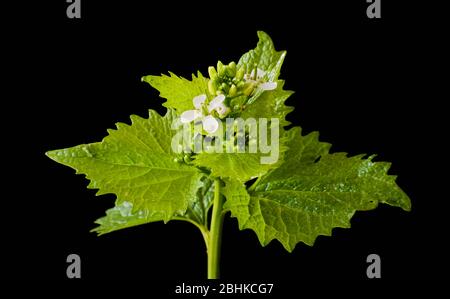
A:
229, 88
204, 112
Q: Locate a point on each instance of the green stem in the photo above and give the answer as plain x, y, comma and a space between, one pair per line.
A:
202, 228
253, 186
215, 234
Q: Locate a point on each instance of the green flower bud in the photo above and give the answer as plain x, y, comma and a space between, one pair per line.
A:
212, 87
248, 88
224, 87
240, 73
220, 69
232, 66
212, 73
240, 84
233, 90
231, 69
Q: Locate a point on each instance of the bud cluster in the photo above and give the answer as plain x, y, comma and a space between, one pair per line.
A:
229, 80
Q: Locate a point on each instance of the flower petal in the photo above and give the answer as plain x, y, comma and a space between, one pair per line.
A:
268, 85
248, 77
222, 110
210, 124
189, 115
216, 102
199, 100
251, 77
260, 73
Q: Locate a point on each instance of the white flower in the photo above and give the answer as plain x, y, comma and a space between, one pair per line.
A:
259, 80
268, 85
210, 123
218, 105
199, 100
191, 115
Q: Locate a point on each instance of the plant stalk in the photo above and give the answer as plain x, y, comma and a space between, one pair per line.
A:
215, 235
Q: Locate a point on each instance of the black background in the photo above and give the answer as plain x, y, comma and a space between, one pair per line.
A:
359, 81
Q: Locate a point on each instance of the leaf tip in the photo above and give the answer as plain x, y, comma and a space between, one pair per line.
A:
407, 206
262, 34
53, 154
98, 231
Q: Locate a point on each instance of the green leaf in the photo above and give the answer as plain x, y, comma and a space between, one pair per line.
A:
122, 215
271, 104
136, 163
264, 56
198, 209
303, 199
178, 91
241, 166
